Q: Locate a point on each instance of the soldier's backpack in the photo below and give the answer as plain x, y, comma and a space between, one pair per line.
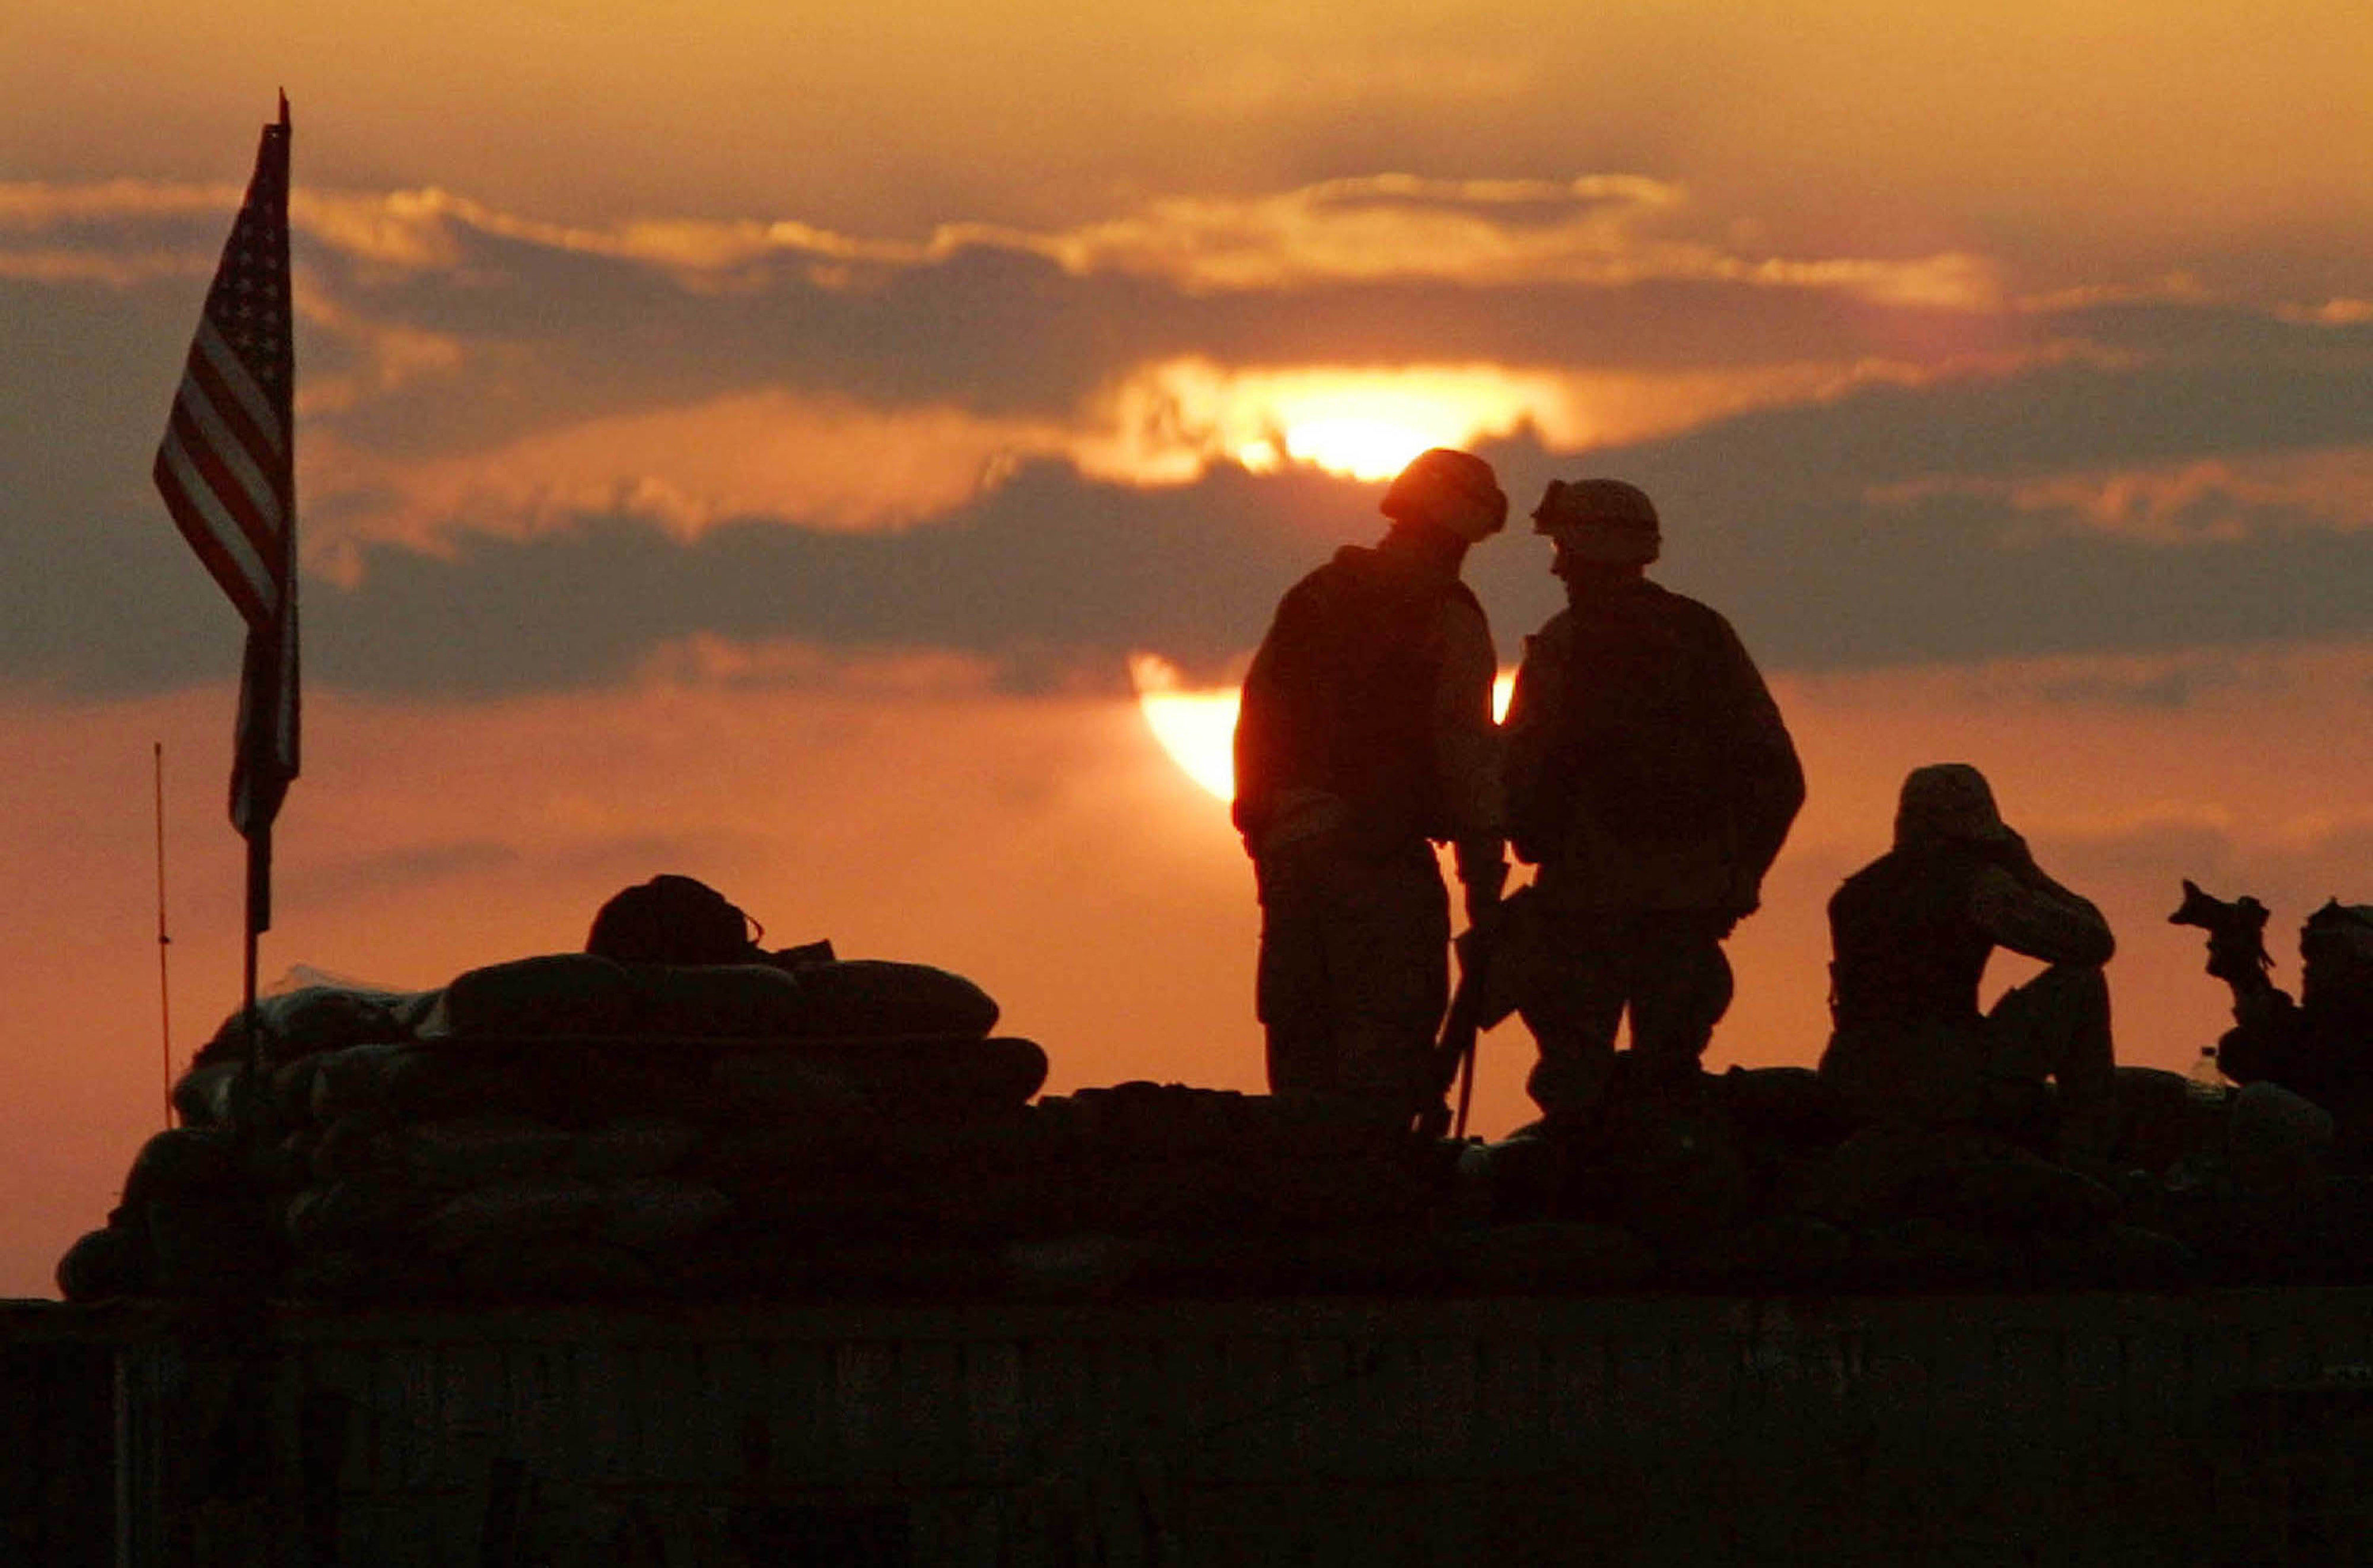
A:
1649, 741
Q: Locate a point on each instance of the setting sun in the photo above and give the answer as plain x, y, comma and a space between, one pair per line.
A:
1198, 728
1173, 417
1362, 447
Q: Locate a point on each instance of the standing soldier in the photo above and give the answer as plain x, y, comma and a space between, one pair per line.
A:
1651, 778
1366, 736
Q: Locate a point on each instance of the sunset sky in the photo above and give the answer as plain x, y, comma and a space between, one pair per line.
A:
780, 444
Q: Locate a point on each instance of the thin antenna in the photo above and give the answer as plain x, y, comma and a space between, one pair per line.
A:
164, 942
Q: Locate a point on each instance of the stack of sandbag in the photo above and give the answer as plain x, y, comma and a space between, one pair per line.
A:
1175, 1187
563, 1126
1758, 1179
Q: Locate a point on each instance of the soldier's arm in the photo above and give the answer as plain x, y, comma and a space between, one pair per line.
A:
2026, 911
2265, 1039
1770, 775
1466, 748
1528, 738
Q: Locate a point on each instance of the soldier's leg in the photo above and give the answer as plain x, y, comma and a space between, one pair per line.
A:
1683, 987
1571, 995
2057, 1026
1292, 990
1389, 966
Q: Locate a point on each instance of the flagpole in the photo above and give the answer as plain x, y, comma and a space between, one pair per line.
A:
226, 470
164, 943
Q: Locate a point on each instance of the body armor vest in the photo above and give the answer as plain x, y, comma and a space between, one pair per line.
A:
1906, 950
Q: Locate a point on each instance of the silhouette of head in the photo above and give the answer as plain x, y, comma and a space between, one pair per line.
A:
2337, 957
1454, 491
1598, 522
1944, 802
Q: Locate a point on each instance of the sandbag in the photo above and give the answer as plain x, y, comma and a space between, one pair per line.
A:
350, 1214
2007, 1189
222, 1094
468, 1151
299, 1022
933, 1078
1793, 1107
183, 1162
2159, 1120
212, 1246
2277, 1143
552, 1268
641, 1146
351, 1082
877, 997
1674, 1168
104, 1264
451, 1078
1929, 1254
360, 1276
532, 1208
720, 1000
1141, 1119
776, 1086
1549, 1257
1794, 1251
558, 994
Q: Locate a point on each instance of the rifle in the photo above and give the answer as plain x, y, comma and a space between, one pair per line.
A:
2237, 936
1453, 1055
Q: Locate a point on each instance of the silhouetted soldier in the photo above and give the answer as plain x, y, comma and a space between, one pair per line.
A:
1365, 736
1910, 934
2321, 1045
1651, 779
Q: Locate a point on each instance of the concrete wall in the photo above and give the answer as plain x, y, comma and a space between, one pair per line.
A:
2227, 1427
58, 1435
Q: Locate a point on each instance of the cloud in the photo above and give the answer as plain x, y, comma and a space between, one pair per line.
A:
543, 455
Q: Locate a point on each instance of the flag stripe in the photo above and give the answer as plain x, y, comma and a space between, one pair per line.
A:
240, 384
231, 447
205, 377
217, 537
257, 511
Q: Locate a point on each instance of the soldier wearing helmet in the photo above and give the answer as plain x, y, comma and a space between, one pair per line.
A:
1365, 737
1651, 778
2321, 1044
1910, 934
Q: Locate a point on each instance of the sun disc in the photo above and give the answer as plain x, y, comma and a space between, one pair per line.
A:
1198, 728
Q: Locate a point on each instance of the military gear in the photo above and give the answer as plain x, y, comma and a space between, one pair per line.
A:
1648, 767
1904, 949
2236, 933
1600, 520
674, 919
1339, 702
1453, 491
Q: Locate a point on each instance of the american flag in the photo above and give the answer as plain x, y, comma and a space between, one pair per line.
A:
227, 470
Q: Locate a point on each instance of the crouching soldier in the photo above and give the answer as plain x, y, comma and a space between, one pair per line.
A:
1651, 779
2320, 1046
1365, 736
1911, 932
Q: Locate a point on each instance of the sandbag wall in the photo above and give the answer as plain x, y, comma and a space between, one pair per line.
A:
1752, 1181
567, 1127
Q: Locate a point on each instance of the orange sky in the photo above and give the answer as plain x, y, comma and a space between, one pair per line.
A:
1048, 848
754, 440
